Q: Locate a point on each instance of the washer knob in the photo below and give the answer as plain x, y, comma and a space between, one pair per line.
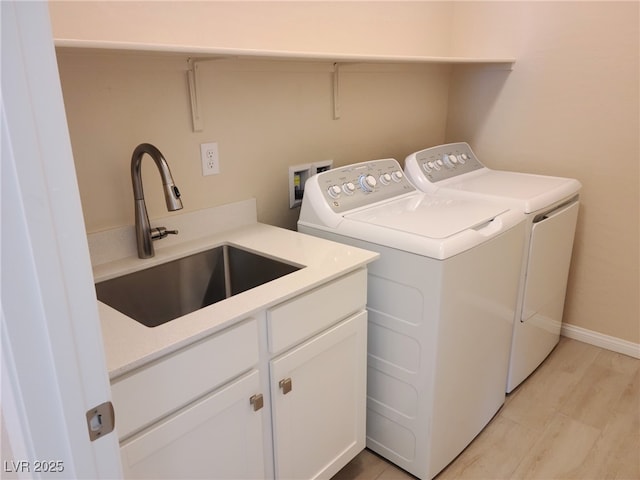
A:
449, 160
385, 179
463, 158
426, 166
349, 188
334, 191
367, 183
397, 175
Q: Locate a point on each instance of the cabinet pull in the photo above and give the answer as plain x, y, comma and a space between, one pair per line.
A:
257, 401
285, 385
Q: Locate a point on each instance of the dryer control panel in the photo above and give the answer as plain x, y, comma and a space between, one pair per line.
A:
444, 161
360, 184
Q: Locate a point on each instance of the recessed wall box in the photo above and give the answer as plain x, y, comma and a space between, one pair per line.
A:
298, 175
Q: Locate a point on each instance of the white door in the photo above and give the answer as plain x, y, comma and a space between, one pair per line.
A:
53, 366
319, 411
217, 437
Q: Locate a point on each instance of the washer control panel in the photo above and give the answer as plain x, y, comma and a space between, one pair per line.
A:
353, 186
445, 161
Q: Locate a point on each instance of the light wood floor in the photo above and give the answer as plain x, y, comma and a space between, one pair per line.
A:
576, 417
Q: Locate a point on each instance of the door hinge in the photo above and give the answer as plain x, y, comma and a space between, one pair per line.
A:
100, 420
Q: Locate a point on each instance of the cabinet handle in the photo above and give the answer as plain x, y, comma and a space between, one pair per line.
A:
257, 401
286, 385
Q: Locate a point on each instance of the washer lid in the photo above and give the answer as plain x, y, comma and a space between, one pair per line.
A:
533, 192
429, 216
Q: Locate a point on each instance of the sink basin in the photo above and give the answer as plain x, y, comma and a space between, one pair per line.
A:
162, 293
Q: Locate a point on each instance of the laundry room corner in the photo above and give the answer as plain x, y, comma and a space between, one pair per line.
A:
570, 107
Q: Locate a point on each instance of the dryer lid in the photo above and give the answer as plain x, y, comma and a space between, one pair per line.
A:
532, 192
431, 216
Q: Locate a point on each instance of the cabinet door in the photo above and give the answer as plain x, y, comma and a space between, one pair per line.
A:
318, 397
217, 437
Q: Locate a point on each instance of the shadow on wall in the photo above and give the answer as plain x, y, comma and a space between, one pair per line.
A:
473, 94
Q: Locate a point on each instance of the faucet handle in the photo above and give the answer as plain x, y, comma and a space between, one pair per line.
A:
158, 233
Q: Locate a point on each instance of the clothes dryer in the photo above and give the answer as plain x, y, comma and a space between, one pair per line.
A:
551, 206
441, 303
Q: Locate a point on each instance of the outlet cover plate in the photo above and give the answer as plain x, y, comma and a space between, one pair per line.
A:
210, 158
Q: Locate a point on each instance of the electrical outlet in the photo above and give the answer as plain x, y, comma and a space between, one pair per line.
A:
210, 158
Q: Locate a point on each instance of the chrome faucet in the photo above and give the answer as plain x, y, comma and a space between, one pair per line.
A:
144, 233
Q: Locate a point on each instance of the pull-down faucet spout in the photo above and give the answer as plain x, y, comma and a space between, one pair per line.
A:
144, 235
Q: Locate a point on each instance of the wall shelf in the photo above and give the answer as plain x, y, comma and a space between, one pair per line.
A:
198, 54
200, 51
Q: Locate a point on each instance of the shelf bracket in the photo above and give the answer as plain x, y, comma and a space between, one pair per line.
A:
192, 77
336, 91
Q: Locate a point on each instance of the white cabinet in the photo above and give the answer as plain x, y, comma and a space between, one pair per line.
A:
158, 388
219, 436
319, 405
189, 415
318, 387
194, 414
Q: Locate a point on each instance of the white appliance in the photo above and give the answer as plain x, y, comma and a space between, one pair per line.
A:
551, 207
441, 301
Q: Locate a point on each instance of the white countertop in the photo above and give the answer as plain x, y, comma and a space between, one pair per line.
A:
129, 344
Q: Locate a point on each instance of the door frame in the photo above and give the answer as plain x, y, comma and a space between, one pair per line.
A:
53, 362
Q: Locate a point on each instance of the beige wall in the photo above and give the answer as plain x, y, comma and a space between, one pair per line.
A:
361, 27
264, 115
570, 107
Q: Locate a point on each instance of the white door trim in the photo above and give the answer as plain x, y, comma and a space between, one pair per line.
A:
53, 358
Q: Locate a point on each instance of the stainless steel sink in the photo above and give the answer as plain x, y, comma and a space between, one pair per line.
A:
162, 293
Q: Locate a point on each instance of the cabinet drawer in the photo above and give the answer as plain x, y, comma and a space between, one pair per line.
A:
171, 382
310, 313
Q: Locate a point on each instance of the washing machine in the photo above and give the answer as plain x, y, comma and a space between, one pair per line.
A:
551, 206
441, 302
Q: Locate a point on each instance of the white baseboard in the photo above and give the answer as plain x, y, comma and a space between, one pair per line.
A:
601, 340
